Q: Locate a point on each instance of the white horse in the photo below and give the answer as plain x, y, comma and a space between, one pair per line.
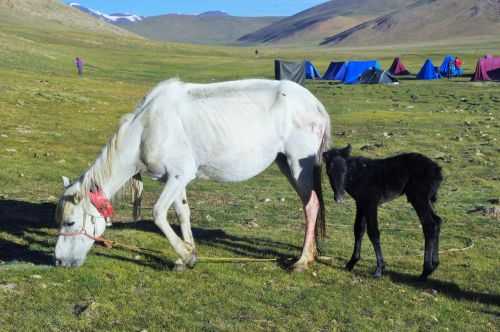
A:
229, 131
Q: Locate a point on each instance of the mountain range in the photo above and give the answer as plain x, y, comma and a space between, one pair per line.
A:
333, 23
212, 27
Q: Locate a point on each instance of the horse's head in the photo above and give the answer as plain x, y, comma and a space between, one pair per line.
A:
80, 224
336, 168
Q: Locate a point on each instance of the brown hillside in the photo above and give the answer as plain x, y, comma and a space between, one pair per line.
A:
312, 24
54, 13
431, 20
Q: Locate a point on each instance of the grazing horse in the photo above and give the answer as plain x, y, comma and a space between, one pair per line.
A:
372, 182
229, 131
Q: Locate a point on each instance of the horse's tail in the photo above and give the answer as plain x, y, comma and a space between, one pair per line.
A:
320, 230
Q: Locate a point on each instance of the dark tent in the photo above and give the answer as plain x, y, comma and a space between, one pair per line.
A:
288, 70
335, 71
398, 68
428, 71
487, 69
354, 69
448, 68
377, 76
312, 73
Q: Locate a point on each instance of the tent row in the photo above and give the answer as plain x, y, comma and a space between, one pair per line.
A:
353, 72
349, 72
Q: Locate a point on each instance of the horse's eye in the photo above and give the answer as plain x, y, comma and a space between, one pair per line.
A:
69, 223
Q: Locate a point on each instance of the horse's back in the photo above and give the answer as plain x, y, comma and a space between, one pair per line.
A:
234, 130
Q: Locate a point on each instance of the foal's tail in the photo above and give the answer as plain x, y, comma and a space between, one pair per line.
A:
320, 231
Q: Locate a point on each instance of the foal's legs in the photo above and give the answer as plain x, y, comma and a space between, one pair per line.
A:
435, 253
431, 229
374, 235
359, 231
174, 187
184, 214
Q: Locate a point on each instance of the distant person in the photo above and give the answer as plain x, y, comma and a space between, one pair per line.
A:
256, 53
79, 65
458, 63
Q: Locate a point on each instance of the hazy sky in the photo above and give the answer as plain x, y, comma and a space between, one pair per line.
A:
233, 7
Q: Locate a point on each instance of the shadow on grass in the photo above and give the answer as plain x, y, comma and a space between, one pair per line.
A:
449, 289
23, 221
18, 219
242, 246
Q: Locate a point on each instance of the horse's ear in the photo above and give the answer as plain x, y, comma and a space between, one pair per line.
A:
66, 182
346, 152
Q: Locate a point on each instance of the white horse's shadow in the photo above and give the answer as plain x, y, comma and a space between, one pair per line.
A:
235, 245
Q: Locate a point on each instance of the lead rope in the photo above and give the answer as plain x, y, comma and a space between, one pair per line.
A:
109, 244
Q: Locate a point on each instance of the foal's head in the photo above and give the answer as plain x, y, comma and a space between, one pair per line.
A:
336, 168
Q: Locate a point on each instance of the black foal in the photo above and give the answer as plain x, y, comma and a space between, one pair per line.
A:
372, 182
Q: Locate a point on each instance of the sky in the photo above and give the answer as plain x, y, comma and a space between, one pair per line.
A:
233, 7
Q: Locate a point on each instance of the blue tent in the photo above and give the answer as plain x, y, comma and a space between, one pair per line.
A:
354, 69
428, 71
311, 72
335, 71
448, 67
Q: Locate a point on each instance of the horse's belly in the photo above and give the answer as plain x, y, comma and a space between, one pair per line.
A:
237, 167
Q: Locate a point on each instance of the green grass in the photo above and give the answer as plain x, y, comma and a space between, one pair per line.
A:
54, 123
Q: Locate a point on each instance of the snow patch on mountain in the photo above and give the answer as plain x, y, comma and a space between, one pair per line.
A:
112, 18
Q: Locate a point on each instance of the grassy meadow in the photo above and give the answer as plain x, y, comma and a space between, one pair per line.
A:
54, 123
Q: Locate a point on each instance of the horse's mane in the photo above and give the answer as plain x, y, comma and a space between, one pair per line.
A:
102, 167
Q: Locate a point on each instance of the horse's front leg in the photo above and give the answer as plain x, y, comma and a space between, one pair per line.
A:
374, 235
184, 214
172, 190
359, 232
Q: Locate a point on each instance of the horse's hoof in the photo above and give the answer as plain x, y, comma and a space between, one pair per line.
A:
179, 266
300, 267
378, 272
191, 262
423, 277
350, 265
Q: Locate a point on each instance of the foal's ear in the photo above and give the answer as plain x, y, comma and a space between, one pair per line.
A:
66, 182
346, 152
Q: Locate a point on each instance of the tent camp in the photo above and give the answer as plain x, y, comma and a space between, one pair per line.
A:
335, 71
377, 76
398, 68
487, 69
354, 69
428, 71
448, 68
289, 70
312, 73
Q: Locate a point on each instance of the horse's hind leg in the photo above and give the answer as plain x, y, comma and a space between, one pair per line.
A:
359, 231
430, 227
184, 214
435, 252
299, 171
374, 235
